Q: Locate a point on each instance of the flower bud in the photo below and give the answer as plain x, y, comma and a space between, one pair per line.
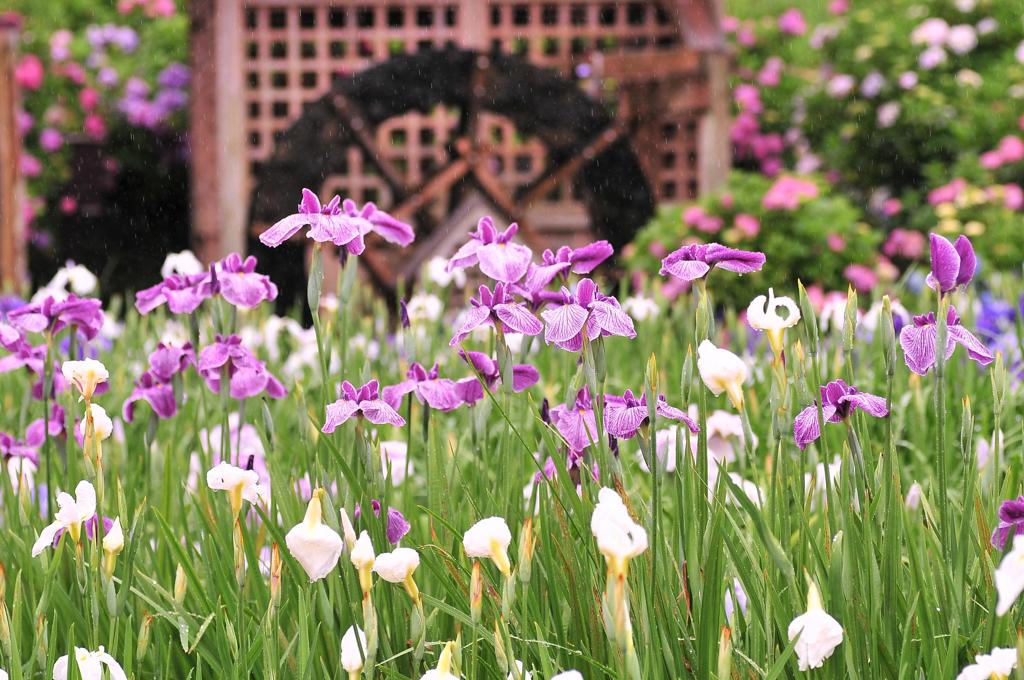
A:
275, 576
180, 585
526, 546
476, 592
142, 646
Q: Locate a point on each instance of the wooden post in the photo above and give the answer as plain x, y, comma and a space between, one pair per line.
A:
473, 26
715, 145
700, 23
219, 161
13, 271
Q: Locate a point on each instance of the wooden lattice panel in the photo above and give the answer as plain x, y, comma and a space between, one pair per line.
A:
294, 49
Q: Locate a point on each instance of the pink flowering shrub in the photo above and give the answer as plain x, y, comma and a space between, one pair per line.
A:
904, 106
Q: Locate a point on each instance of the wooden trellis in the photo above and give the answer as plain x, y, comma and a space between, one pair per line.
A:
660, 66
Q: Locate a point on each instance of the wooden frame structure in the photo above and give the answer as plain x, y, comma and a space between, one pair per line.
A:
660, 65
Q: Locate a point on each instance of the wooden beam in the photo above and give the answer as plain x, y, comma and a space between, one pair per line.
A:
651, 66
13, 267
544, 184
438, 182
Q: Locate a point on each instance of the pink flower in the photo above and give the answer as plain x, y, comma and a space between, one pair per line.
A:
838, 6
657, 249
933, 31
771, 73
904, 243
840, 85
835, 242
30, 165
891, 207
788, 192
908, 80
932, 58
1011, 149
748, 224
88, 98
60, 45
947, 193
94, 126
693, 215
990, 160
709, 224
748, 98
29, 72
862, 278
50, 140
745, 37
730, 24
792, 22
68, 205
727, 201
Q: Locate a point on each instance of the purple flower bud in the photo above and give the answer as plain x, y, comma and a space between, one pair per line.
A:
403, 310
397, 526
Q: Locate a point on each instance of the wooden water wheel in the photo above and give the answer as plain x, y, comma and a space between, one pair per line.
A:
502, 136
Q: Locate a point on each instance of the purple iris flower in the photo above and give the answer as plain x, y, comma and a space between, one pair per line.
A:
325, 223
340, 223
84, 313
35, 436
576, 422
397, 526
155, 386
471, 390
497, 308
587, 309
236, 279
370, 219
995, 318
578, 261
182, 293
953, 264
248, 375
159, 395
624, 415
437, 393
695, 261
838, 402
1011, 522
918, 342
24, 355
495, 253
365, 402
